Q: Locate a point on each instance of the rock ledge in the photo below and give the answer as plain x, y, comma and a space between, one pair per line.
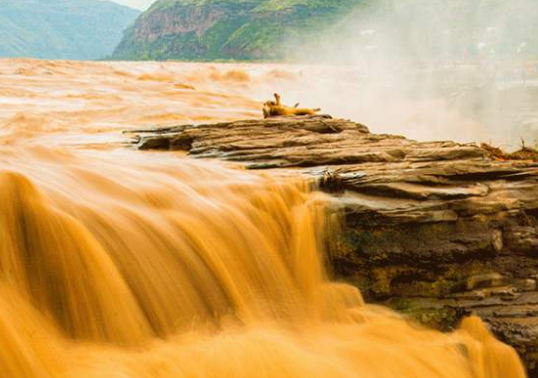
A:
437, 230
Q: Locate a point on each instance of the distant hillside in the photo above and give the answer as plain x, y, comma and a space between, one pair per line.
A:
225, 29
62, 29
319, 29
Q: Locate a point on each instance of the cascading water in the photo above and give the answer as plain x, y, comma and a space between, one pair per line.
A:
176, 268
120, 264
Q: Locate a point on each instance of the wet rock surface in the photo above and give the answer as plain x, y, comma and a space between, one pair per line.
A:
436, 230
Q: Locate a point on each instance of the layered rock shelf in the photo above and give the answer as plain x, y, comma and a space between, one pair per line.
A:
437, 230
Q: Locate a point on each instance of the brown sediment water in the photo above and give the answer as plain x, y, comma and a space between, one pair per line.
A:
121, 264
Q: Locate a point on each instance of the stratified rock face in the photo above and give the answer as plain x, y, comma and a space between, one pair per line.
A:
436, 230
226, 29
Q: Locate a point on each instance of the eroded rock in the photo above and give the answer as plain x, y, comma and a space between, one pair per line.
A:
437, 230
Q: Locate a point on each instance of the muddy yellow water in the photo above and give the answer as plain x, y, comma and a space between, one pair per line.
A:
120, 264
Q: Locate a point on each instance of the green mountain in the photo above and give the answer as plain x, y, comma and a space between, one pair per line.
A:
225, 29
62, 29
318, 29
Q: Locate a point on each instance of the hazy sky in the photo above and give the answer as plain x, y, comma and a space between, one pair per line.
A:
140, 4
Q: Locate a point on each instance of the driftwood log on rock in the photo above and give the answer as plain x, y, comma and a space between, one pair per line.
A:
437, 230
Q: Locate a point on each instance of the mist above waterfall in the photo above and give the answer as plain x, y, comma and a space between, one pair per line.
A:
431, 69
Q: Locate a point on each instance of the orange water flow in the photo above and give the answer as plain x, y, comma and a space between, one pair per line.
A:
116, 263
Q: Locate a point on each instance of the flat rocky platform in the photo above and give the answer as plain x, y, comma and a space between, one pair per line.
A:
437, 230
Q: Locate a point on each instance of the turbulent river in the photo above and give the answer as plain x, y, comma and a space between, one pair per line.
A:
116, 263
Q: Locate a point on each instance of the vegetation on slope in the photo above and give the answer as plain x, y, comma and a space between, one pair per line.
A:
274, 29
62, 29
226, 29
